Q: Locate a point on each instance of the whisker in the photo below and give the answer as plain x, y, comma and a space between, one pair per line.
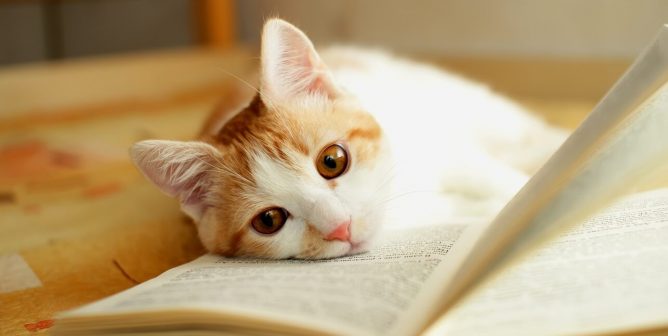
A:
265, 99
248, 84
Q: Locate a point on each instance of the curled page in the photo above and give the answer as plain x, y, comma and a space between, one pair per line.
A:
621, 146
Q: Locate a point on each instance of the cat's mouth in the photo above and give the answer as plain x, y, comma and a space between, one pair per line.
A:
347, 248
357, 247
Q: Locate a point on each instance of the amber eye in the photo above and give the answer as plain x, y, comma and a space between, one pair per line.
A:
332, 161
269, 221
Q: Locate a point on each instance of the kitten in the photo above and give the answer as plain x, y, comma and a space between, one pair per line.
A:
336, 144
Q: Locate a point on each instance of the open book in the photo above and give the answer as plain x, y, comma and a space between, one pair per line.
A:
579, 250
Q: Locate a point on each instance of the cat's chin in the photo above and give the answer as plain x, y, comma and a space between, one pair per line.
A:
357, 248
339, 249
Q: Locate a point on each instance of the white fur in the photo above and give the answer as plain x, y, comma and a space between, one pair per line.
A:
460, 149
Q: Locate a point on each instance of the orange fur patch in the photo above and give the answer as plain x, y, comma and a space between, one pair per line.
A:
368, 133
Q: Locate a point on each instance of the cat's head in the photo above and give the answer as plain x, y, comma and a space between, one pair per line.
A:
301, 172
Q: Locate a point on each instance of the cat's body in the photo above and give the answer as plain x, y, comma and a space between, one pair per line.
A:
338, 143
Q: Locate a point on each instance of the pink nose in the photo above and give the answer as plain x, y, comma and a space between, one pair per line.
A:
340, 233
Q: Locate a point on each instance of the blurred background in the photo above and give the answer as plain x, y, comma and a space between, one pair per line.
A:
601, 35
32, 30
82, 80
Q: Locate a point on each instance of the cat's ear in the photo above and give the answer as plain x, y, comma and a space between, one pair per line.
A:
180, 169
291, 66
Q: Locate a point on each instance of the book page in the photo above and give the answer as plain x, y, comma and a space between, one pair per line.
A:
385, 291
609, 274
621, 145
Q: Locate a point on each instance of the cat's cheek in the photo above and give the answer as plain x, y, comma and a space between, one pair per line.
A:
364, 229
288, 242
209, 232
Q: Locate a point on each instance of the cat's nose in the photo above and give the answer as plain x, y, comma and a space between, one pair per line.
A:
341, 232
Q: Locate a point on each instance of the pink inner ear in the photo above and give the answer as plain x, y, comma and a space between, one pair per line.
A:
305, 72
189, 190
291, 65
179, 169
311, 72
318, 85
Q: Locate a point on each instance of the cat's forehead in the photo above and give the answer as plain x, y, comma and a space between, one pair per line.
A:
303, 125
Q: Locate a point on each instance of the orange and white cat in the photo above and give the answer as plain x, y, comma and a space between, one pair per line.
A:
337, 144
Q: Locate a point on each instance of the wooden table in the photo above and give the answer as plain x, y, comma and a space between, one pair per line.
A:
78, 222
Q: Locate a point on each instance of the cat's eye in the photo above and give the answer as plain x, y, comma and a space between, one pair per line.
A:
269, 221
332, 161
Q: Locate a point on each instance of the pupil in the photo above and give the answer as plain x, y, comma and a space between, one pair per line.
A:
267, 220
330, 162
